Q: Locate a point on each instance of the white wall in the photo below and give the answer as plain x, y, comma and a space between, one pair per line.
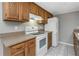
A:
67, 23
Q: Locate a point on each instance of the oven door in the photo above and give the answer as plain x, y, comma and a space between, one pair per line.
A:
41, 46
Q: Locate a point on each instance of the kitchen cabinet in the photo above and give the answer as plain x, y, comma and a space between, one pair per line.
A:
30, 48
45, 17
23, 11
49, 15
10, 11
49, 39
19, 11
26, 48
16, 11
41, 12
17, 49
37, 10
33, 8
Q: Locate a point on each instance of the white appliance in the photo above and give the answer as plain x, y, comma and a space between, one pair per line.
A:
53, 26
41, 44
35, 17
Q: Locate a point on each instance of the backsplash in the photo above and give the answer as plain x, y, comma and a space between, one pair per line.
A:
6, 27
32, 25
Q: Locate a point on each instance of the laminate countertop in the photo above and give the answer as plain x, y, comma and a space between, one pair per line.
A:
12, 39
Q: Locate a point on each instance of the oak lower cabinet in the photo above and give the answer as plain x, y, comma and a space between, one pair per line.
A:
16, 50
49, 39
30, 48
23, 49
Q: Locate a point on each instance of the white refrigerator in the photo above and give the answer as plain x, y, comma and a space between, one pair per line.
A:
53, 26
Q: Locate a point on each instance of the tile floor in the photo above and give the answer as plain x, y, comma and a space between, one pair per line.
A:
61, 50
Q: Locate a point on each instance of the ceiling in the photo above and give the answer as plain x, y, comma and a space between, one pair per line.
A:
59, 7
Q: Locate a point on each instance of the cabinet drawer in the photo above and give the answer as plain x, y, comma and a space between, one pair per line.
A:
31, 42
19, 53
16, 48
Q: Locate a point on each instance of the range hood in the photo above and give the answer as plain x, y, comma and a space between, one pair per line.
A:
35, 17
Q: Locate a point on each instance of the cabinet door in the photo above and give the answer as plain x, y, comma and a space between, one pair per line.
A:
24, 11
10, 11
45, 17
34, 8
49, 39
41, 12
27, 48
17, 49
32, 50
31, 47
19, 53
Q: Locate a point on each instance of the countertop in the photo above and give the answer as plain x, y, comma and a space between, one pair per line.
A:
9, 39
13, 38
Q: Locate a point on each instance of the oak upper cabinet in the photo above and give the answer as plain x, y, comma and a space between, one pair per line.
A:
16, 11
23, 11
19, 11
33, 8
41, 12
10, 11
76, 43
45, 17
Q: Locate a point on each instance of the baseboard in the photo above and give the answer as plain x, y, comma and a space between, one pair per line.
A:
66, 43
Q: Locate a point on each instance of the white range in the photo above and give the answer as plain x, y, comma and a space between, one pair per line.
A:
41, 41
41, 44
